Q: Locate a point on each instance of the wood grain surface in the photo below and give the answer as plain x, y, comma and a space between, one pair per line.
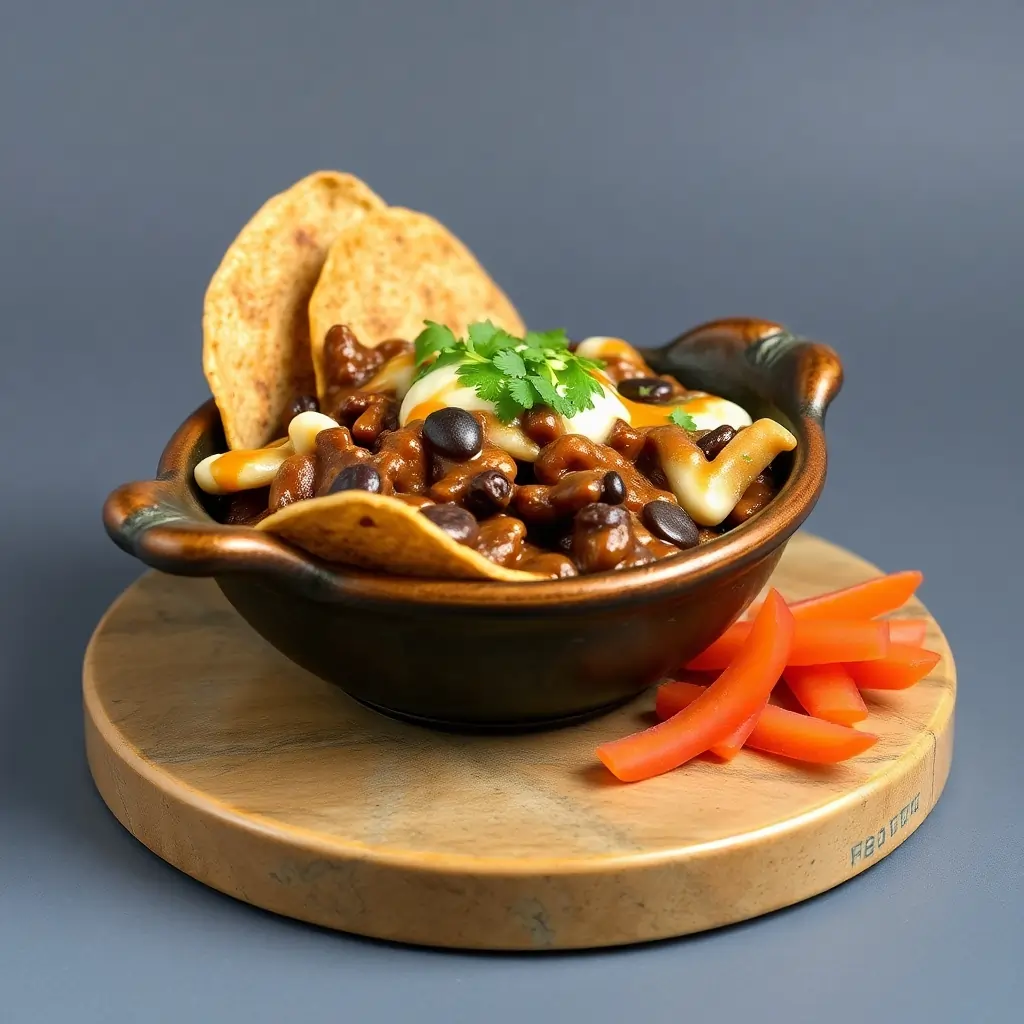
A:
266, 783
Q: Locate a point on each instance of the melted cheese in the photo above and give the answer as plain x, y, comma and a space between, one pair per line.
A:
242, 469
442, 388
709, 491
395, 375
302, 430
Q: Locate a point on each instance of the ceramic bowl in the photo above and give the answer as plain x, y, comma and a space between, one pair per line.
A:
469, 654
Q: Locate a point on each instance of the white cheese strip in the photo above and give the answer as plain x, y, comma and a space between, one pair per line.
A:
303, 429
243, 469
709, 491
395, 375
710, 411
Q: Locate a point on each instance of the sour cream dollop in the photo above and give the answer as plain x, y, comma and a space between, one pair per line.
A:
442, 388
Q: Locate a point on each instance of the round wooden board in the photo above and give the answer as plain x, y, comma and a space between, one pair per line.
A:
262, 781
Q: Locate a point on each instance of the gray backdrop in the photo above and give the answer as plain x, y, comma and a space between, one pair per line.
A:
852, 169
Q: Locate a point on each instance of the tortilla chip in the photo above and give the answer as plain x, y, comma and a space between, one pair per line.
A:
256, 353
394, 269
373, 531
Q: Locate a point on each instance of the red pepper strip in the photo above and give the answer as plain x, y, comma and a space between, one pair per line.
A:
728, 748
815, 642
908, 631
781, 732
722, 708
827, 692
863, 601
899, 669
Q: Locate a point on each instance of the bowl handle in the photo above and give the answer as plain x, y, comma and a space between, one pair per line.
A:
759, 356
162, 524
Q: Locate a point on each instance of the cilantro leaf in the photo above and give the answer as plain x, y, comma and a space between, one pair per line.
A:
682, 419
579, 386
550, 396
547, 339
510, 362
514, 374
506, 408
448, 358
434, 338
487, 380
481, 333
522, 391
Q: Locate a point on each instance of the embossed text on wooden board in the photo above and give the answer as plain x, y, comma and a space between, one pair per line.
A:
872, 844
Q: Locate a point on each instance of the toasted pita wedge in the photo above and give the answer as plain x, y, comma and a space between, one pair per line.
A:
394, 269
256, 353
373, 531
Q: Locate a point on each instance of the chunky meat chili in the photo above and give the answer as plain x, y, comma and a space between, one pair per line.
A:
541, 491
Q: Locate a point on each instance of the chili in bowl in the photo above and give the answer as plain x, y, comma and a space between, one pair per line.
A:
606, 563
460, 520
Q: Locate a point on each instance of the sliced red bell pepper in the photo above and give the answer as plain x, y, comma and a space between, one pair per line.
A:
827, 692
778, 731
728, 748
863, 601
898, 670
722, 708
815, 642
908, 631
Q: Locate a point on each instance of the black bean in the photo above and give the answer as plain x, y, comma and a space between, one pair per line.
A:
715, 440
300, 404
613, 489
645, 389
459, 524
598, 515
671, 522
357, 477
489, 492
453, 433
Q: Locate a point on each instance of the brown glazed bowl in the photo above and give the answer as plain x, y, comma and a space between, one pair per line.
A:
482, 654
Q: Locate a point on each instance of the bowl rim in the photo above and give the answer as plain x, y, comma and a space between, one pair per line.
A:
162, 522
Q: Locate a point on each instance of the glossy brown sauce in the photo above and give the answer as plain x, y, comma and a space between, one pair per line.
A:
540, 531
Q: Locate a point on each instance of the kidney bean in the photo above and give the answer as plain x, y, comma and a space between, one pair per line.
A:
753, 499
542, 425
358, 477
459, 524
501, 540
335, 450
613, 490
294, 481
544, 503
454, 434
452, 477
601, 537
488, 492
547, 563
715, 440
402, 460
651, 390
300, 404
671, 522
624, 439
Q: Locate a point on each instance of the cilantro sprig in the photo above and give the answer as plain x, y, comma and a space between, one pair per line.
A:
682, 419
515, 374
